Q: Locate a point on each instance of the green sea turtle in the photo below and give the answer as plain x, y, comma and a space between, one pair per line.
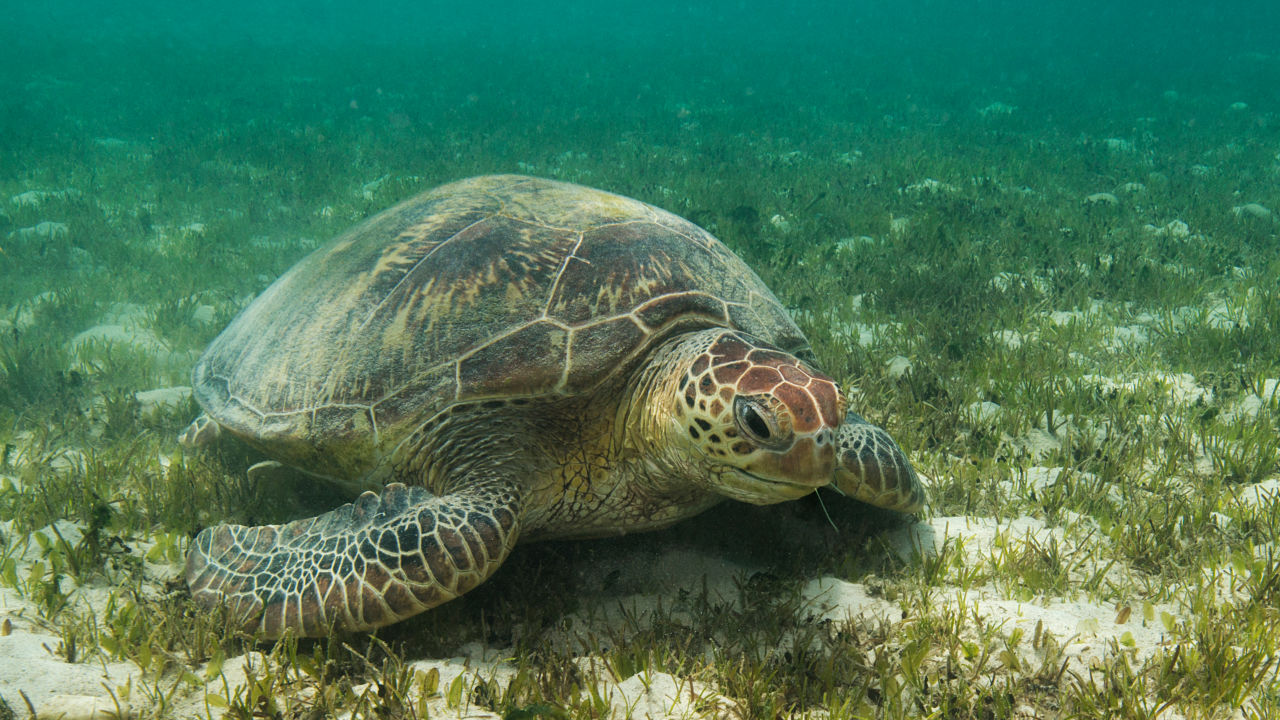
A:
508, 358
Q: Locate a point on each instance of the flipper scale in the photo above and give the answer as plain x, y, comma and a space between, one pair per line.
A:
364, 565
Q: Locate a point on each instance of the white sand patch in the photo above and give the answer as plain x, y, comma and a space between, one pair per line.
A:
140, 338
1003, 281
130, 334
1010, 338
1217, 313
867, 334
1065, 317
983, 412
1100, 199
1062, 318
1182, 388
997, 109
659, 696
1037, 479
1245, 407
1223, 316
928, 186
45, 230
83, 707
1042, 440
1174, 229
898, 366
229, 685
204, 315
898, 226
150, 401
33, 659
1260, 494
1122, 337
1038, 443
127, 314
36, 198
33, 665
1253, 210
851, 243
1086, 631
834, 599
978, 534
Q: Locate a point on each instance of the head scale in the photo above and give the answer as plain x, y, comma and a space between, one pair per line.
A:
762, 421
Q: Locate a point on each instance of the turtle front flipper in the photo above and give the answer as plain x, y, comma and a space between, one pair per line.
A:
872, 468
364, 565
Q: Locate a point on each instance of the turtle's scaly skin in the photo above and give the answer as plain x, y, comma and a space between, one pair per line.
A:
511, 358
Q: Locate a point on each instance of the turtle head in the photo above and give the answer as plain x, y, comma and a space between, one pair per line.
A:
752, 422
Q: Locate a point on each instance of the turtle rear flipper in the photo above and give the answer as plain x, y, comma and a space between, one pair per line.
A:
200, 433
872, 468
364, 565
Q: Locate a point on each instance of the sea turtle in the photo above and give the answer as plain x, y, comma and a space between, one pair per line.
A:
506, 358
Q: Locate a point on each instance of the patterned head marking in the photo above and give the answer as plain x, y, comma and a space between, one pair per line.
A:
765, 419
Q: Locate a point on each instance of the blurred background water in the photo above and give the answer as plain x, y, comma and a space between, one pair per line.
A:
143, 65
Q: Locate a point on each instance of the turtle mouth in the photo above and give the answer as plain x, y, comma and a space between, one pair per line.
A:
786, 488
776, 482
768, 481
739, 484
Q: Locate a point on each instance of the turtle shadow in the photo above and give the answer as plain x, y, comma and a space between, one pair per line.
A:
576, 588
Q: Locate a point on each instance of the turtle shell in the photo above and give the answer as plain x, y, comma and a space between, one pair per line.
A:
491, 287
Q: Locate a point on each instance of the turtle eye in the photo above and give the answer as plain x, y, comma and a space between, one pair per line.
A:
756, 422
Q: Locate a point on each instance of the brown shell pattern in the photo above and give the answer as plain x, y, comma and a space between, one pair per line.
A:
494, 286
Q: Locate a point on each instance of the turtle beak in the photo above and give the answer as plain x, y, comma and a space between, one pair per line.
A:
808, 462
746, 486
784, 474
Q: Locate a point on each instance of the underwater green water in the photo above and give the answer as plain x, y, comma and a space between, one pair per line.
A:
270, 127
1012, 196
256, 116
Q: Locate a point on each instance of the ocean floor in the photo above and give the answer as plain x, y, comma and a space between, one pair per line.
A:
1044, 592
